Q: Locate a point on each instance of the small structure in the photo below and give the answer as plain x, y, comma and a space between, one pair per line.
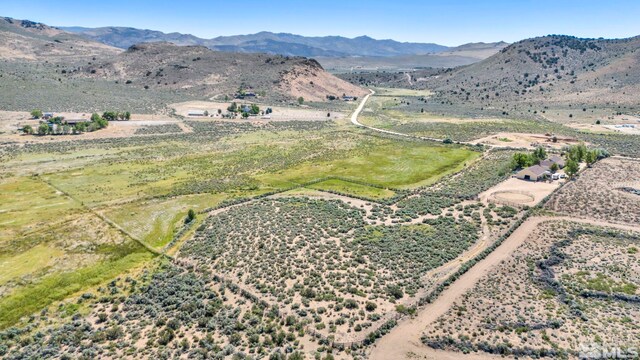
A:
533, 173
195, 113
47, 116
554, 159
75, 121
348, 98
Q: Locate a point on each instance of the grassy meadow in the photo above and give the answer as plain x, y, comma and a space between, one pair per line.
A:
74, 216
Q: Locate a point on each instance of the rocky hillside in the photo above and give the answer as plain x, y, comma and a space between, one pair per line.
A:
28, 40
197, 69
550, 69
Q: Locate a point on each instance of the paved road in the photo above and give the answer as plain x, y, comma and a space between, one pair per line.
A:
403, 342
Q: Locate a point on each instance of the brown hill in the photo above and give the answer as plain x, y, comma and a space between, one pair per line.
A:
550, 69
211, 73
28, 40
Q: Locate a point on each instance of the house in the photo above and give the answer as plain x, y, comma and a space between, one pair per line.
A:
195, 113
533, 173
47, 116
558, 160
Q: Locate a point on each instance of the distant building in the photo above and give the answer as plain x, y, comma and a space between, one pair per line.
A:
533, 173
195, 113
47, 115
76, 121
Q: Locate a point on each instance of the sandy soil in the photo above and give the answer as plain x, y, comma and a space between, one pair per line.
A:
529, 141
519, 191
403, 342
280, 113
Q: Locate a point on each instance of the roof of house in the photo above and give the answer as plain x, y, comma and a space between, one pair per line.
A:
536, 169
556, 159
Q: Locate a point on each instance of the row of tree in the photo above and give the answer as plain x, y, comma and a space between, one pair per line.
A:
58, 126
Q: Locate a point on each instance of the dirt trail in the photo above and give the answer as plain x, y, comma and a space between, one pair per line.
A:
403, 342
354, 120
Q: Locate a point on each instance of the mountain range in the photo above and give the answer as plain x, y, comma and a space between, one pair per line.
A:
265, 42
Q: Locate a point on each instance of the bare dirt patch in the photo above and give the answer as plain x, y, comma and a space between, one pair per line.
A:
528, 141
519, 192
280, 113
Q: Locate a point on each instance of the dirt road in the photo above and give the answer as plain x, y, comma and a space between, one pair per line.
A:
403, 342
354, 120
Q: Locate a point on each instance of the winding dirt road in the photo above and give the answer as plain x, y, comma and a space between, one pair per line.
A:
354, 121
403, 342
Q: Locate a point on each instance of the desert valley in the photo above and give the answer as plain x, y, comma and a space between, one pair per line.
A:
275, 196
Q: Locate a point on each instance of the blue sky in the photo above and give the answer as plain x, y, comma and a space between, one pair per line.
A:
445, 22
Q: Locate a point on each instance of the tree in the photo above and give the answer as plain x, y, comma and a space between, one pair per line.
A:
300, 100
27, 129
255, 109
571, 168
328, 114
127, 115
43, 129
540, 154
521, 160
206, 113
554, 167
233, 107
591, 157
191, 215
245, 114
36, 114
110, 115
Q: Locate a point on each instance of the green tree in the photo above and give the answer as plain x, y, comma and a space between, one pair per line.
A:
571, 168
554, 167
300, 100
110, 115
521, 160
255, 109
233, 107
540, 154
191, 215
591, 157
36, 114
27, 129
43, 129
245, 114
127, 115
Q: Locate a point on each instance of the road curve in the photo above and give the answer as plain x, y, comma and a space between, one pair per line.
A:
403, 342
354, 121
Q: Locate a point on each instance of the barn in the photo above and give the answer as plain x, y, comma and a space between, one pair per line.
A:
533, 173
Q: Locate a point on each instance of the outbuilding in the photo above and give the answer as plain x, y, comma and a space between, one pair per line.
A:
533, 173
195, 113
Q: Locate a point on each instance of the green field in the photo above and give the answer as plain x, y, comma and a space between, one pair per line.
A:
351, 188
393, 164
